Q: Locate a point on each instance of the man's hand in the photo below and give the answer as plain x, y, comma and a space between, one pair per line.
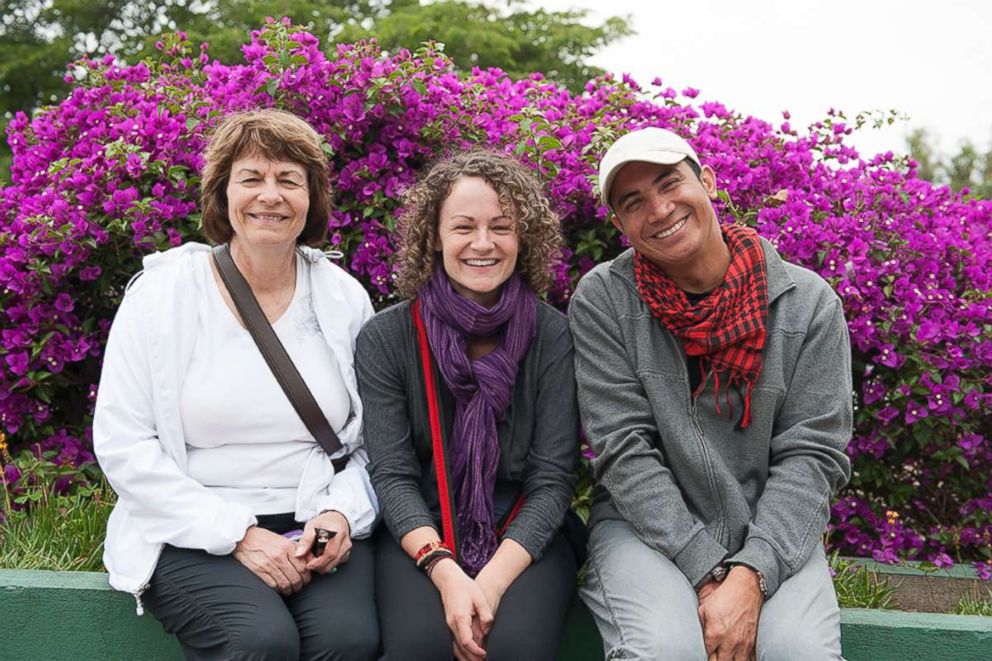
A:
271, 557
729, 615
706, 589
338, 548
465, 605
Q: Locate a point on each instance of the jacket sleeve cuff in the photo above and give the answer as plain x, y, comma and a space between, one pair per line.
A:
760, 556
351, 494
534, 547
699, 557
228, 529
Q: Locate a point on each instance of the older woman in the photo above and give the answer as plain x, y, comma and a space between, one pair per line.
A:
471, 422
210, 461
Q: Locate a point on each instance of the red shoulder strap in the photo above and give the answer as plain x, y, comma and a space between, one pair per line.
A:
445, 496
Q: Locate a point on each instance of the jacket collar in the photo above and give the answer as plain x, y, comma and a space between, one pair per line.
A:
779, 280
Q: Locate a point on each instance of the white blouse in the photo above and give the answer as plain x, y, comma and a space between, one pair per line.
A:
245, 442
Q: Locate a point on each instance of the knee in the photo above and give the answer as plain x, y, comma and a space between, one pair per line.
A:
356, 642
532, 646
658, 645
273, 639
788, 641
422, 645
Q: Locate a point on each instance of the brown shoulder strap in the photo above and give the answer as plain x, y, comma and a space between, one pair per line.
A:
274, 353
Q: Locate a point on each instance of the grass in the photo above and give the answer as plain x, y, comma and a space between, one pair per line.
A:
57, 532
971, 605
859, 587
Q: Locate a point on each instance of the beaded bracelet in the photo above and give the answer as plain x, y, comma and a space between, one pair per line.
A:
428, 549
434, 559
430, 557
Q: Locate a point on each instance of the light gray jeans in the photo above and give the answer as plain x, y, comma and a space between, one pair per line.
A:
645, 607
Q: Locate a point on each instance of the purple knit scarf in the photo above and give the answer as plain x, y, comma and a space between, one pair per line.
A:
482, 389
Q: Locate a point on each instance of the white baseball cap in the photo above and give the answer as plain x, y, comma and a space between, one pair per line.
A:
648, 145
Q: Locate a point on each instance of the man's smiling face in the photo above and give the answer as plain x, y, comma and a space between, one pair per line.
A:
666, 212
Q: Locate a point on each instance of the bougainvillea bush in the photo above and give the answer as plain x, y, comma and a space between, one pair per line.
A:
111, 174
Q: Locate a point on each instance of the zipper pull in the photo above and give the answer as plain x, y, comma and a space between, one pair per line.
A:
139, 607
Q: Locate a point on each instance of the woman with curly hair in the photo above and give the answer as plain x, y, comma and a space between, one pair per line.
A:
471, 421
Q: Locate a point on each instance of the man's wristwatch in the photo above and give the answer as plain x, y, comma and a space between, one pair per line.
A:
719, 573
762, 584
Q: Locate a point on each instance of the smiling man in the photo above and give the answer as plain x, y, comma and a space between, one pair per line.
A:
715, 389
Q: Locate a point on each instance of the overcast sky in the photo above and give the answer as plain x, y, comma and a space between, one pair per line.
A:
930, 60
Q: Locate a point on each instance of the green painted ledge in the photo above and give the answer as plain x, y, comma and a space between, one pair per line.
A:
929, 590
73, 616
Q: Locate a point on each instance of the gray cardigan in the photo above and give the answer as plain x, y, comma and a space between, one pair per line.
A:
538, 440
692, 486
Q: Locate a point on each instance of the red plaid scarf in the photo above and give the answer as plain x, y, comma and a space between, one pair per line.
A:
727, 328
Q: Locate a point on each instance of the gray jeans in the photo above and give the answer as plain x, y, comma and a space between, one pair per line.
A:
645, 607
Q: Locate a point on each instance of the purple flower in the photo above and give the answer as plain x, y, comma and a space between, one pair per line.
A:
17, 362
888, 414
970, 443
354, 108
889, 357
872, 391
11, 474
887, 556
928, 330
915, 412
89, 273
63, 303
941, 560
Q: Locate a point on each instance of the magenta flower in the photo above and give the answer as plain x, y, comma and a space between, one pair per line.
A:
915, 412
889, 357
941, 560
17, 362
63, 303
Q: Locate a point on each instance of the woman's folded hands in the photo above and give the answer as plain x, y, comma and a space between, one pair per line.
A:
273, 559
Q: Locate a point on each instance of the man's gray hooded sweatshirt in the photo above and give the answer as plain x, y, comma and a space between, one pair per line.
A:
691, 484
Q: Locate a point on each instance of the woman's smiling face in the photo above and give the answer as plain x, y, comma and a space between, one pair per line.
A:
267, 201
477, 240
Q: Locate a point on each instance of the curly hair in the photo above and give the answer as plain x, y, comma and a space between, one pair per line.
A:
520, 197
278, 136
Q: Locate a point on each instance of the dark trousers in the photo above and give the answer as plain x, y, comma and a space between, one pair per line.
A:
528, 623
219, 609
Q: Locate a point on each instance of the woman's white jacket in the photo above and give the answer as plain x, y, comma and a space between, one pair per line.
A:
138, 434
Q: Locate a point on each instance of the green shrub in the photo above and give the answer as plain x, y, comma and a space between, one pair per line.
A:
53, 516
971, 605
859, 587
